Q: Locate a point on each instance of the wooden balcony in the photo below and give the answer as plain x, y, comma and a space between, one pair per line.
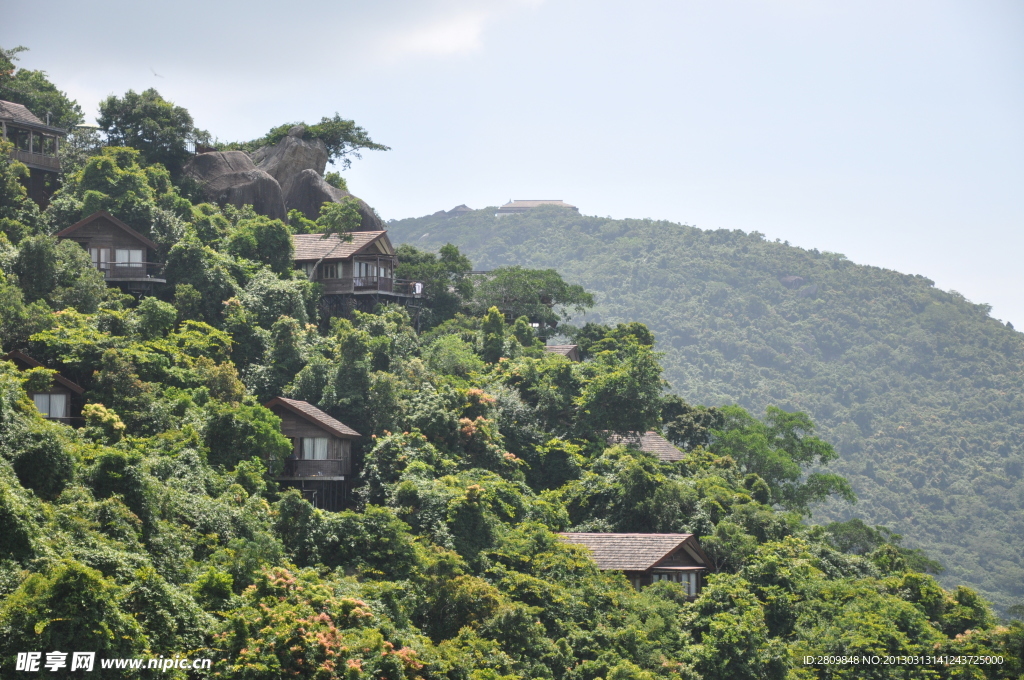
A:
313, 469
372, 285
134, 271
37, 160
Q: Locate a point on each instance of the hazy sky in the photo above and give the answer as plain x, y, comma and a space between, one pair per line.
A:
890, 131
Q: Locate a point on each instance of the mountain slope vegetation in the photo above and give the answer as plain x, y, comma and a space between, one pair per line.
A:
921, 391
152, 526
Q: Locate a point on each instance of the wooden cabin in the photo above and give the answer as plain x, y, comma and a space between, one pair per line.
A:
648, 558
35, 144
355, 274
320, 465
570, 352
62, 401
123, 255
648, 442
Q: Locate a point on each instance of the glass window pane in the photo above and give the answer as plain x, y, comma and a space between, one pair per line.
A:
314, 448
42, 403
58, 406
135, 256
121, 256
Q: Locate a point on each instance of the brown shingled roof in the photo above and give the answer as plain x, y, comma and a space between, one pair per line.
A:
649, 442
19, 114
570, 351
311, 247
21, 357
304, 409
103, 214
631, 552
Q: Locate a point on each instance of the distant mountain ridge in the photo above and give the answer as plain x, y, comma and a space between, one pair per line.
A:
920, 390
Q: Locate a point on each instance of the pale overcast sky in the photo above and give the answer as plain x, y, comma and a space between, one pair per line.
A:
891, 131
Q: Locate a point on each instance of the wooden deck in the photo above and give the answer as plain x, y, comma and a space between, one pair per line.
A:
316, 469
136, 271
37, 160
371, 285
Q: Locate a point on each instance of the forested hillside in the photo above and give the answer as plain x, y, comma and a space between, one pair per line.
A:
921, 391
153, 527
152, 523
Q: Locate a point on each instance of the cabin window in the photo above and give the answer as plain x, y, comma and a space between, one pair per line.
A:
314, 448
675, 578
52, 405
128, 257
688, 579
100, 257
363, 269
330, 270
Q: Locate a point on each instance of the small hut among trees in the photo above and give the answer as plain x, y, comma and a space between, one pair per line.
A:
648, 442
121, 253
321, 462
57, 400
648, 558
357, 273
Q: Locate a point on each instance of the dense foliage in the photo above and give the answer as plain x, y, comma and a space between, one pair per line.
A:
158, 129
152, 525
921, 391
155, 529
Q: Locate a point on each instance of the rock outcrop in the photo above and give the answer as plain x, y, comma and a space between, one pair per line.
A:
792, 281
231, 177
309, 191
285, 160
278, 178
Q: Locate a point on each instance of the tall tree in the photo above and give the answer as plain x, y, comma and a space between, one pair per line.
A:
533, 293
156, 127
444, 276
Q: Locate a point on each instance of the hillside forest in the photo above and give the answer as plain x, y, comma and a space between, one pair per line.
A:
153, 525
920, 390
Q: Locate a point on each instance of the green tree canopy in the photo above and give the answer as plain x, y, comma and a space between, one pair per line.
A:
533, 293
444, 276
779, 450
157, 128
262, 239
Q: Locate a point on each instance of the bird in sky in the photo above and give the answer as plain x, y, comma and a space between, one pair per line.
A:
155, 73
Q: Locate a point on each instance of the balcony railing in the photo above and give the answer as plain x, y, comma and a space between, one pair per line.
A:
372, 284
114, 271
39, 160
408, 287
314, 468
378, 283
